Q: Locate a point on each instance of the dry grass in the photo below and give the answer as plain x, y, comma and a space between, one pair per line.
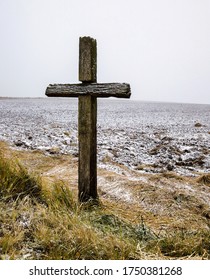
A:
165, 217
204, 179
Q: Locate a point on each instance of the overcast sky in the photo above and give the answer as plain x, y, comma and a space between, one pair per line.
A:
160, 47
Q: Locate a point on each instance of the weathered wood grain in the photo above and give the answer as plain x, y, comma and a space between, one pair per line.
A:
87, 59
87, 175
120, 90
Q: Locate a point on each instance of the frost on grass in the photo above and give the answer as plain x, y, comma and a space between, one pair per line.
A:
141, 216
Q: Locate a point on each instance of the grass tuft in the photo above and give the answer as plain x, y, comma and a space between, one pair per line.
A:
204, 179
183, 244
16, 183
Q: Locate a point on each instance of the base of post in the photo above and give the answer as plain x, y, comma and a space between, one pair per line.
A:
88, 200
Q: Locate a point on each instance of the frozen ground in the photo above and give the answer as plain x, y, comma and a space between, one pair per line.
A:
147, 137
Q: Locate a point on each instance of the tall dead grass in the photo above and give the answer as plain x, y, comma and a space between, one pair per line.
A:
38, 221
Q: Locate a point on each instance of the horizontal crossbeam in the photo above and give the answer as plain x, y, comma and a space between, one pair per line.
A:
120, 90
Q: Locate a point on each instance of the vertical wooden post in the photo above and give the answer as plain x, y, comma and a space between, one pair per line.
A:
87, 148
87, 122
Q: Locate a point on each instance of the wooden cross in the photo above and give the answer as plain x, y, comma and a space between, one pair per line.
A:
87, 92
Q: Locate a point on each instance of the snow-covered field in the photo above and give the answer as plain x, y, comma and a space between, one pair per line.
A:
147, 137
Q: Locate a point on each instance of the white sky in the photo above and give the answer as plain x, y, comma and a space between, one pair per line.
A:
160, 47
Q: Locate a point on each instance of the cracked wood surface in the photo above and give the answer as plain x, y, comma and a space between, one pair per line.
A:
120, 90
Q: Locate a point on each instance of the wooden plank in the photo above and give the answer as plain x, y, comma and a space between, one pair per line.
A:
120, 90
87, 172
87, 59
